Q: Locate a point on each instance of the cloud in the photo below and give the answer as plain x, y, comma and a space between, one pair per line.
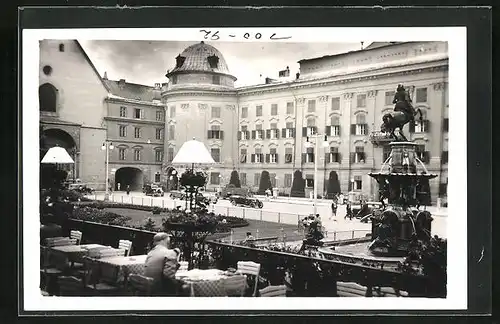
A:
146, 62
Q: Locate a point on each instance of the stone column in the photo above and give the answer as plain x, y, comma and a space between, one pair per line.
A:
323, 120
374, 153
346, 145
299, 149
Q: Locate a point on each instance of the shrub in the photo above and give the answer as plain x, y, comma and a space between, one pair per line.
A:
156, 210
150, 225
298, 185
90, 214
235, 179
265, 182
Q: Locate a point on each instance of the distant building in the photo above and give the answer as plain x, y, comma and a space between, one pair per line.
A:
259, 127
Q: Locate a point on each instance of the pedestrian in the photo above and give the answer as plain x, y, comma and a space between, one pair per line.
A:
348, 213
334, 209
128, 189
118, 186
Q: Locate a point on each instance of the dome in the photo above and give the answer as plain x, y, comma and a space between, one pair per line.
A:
200, 57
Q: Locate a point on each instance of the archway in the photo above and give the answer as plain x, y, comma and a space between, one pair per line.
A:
172, 179
48, 139
129, 176
47, 96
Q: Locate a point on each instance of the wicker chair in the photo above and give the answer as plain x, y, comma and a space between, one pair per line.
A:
250, 268
273, 291
140, 285
70, 286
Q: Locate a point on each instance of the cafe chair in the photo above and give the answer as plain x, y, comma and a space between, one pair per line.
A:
77, 235
388, 292
208, 289
49, 272
273, 291
250, 268
235, 285
183, 266
140, 285
111, 252
70, 286
93, 284
351, 289
125, 245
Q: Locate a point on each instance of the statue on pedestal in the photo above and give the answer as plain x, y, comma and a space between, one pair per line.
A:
404, 112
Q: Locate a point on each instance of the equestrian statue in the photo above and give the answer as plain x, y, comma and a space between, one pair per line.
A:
402, 115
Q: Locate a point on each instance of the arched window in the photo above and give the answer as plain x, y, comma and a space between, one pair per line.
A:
311, 122
360, 119
335, 120
47, 95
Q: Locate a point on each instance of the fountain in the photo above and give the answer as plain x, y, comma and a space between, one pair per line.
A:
403, 188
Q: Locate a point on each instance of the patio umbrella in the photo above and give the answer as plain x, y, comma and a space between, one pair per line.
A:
193, 152
57, 155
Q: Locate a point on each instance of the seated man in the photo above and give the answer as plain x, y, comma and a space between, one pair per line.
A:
161, 265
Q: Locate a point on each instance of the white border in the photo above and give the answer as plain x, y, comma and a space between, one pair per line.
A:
457, 192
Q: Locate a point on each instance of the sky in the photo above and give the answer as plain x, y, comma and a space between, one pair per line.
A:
146, 62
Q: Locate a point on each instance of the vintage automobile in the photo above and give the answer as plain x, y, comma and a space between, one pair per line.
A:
231, 190
82, 188
246, 201
153, 190
181, 195
176, 194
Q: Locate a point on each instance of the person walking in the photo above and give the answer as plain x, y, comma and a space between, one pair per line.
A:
128, 189
334, 210
348, 213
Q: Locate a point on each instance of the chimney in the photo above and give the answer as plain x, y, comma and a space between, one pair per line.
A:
121, 83
105, 77
157, 86
268, 80
297, 76
284, 73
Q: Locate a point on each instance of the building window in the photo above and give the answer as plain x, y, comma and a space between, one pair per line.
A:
258, 133
158, 155
273, 179
289, 108
61, 47
288, 180
336, 103
274, 109
159, 115
159, 133
243, 179
334, 128
216, 79
122, 131
311, 105
170, 154
215, 132
244, 112
258, 111
47, 70
389, 97
174, 79
121, 153
172, 111
289, 130
361, 100
311, 128
422, 154
274, 131
244, 133
421, 95
137, 154
137, 132
334, 155
123, 111
215, 178
360, 128
157, 177
213, 61
446, 124
359, 155
256, 179
215, 154
273, 156
138, 113
215, 112
444, 157
288, 155
258, 157
243, 155
309, 180
309, 155
358, 183
171, 132
47, 96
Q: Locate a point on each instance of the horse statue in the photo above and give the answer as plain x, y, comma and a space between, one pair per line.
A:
402, 115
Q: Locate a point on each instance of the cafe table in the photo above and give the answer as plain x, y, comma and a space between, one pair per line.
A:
63, 254
116, 269
204, 283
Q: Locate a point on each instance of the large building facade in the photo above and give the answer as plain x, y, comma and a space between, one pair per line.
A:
267, 126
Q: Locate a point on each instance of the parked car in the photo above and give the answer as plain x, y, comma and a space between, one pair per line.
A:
176, 194
152, 190
246, 201
231, 190
82, 188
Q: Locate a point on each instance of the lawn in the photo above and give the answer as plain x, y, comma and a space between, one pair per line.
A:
266, 229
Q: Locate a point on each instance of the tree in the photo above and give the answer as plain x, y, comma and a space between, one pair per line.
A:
235, 179
265, 182
298, 185
333, 184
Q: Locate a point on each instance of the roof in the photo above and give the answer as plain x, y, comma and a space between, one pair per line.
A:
196, 60
91, 63
132, 91
370, 47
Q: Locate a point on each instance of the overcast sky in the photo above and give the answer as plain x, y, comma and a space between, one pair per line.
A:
146, 62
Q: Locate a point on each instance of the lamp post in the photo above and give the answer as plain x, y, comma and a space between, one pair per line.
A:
316, 138
107, 146
221, 178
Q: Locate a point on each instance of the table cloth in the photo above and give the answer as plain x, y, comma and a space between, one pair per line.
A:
116, 269
63, 254
204, 283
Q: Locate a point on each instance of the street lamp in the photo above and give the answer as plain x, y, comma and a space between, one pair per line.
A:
221, 178
316, 138
107, 146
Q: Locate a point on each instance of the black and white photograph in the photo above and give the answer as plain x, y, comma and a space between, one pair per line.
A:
244, 164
